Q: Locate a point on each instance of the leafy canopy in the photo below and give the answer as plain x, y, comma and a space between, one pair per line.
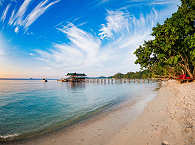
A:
172, 51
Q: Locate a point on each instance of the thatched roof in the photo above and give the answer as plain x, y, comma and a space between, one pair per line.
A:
76, 74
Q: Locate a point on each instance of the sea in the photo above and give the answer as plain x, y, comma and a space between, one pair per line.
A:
33, 107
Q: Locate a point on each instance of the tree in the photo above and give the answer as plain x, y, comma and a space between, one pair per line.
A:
134, 75
173, 49
118, 76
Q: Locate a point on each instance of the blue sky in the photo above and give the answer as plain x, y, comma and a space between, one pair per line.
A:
47, 38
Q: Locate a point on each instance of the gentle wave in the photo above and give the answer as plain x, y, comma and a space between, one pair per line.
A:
59, 125
8, 137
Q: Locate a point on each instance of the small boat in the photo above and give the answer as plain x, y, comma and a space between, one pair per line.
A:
44, 80
63, 80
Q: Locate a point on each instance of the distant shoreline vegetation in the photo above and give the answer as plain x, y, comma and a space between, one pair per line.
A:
24, 79
172, 51
134, 75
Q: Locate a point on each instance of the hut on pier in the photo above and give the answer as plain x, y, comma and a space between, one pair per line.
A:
76, 77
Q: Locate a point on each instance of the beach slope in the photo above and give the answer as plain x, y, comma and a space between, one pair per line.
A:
169, 118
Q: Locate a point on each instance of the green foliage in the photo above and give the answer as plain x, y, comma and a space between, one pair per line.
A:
134, 75
118, 76
172, 51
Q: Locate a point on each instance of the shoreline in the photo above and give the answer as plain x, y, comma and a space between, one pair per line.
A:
168, 117
97, 128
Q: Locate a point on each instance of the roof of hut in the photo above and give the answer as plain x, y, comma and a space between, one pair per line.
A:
76, 74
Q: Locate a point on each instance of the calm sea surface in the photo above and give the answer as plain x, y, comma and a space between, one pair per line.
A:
29, 107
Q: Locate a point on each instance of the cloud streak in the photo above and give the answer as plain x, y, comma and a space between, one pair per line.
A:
19, 15
136, 3
163, 2
20, 19
83, 49
105, 51
116, 21
99, 2
3, 17
37, 12
11, 19
87, 53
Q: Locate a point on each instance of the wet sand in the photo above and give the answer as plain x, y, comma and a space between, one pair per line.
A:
169, 118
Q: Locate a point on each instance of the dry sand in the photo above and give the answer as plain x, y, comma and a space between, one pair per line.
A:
168, 117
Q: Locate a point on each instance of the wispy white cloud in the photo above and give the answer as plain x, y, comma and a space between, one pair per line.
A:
116, 21
87, 53
99, 2
11, 19
137, 3
120, 24
83, 49
31, 54
16, 30
163, 2
20, 19
107, 53
3, 17
37, 12
19, 15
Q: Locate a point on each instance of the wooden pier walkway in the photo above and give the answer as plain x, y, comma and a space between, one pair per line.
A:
111, 81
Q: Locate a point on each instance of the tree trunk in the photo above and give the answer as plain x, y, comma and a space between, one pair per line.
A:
185, 64
182, 71
194, 73
187, 70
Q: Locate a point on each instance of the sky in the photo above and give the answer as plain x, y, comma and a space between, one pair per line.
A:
48, 38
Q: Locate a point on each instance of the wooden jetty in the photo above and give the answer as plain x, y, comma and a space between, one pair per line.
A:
81, 77
112, 80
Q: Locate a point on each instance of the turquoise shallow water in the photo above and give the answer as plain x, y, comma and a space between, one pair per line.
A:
33, 107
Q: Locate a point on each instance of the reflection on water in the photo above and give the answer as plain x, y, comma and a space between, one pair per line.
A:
29, 106
75, 85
